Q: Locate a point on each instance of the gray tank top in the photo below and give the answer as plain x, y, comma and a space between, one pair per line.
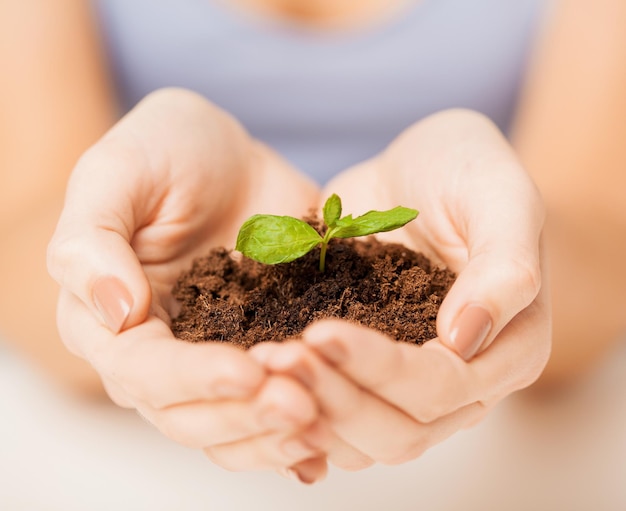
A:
325, 100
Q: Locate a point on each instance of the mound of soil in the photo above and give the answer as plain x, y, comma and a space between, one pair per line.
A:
386, 287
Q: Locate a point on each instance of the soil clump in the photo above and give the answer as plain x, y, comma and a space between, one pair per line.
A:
383, 286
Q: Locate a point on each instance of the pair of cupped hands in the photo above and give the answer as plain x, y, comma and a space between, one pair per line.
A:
177, 176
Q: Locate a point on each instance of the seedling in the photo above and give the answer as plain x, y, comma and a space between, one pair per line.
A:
272, 239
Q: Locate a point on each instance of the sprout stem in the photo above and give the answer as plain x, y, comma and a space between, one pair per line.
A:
323, 255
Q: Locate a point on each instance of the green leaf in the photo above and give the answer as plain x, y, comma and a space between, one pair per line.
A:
272, 239
332, 210
373, 222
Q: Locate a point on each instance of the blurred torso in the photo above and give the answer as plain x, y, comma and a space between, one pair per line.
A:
326, 98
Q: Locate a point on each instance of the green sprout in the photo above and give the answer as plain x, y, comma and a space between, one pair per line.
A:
272, 239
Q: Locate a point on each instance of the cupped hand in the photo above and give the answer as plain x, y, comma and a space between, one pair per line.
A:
481, 216
173, 178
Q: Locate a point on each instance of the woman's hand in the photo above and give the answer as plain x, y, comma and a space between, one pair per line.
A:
482, 217
173, 178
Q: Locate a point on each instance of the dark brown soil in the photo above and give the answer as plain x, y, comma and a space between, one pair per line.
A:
383, 286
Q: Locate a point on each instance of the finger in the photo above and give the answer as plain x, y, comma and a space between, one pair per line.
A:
273, 451
339, 453
309, 471
281, 405
117, 394
154, 367
90, 253
119, 191
426, 382
359, 417
491, 227
520, 354
494, 287
430, 381
503, 273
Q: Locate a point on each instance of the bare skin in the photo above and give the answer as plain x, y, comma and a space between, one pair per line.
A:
556, 147
570, 135
43, 131
326, 14
177, 175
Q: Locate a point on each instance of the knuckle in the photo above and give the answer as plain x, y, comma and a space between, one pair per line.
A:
533, 355
428, 414
185, 367
534, 367
116, 395
446, 390
527, 277
117, 366
119, 400
390, 366
435, 408
349, 408
176, 428
296, 351
209, 452
216, 455
238, 425
68, 338
59, 254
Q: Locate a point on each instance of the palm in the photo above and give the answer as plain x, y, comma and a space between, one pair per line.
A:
370, 186
186, 228
187, 202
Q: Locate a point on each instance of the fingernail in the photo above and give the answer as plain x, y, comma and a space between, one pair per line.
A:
469, 330
331, 351
113, 302
298, 475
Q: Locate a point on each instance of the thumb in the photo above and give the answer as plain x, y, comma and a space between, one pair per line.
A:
100, 267
487, 217
493, 288
502, 276
164, 149
90, 254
